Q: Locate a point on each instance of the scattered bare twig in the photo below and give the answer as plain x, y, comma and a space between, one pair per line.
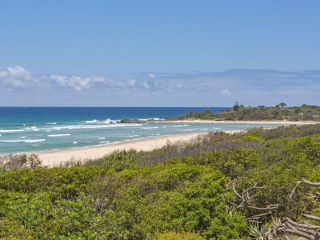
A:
306, 182
305, 230
247, 202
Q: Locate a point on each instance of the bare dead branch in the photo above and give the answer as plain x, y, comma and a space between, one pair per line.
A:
235, 191
269, 207
305, 230
314, 218
302, 225
247, 203
256, 217
299, 234
252, 188
303, 181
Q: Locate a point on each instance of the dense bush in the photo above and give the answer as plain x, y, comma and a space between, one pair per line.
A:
178, 236
136, 203
302, 113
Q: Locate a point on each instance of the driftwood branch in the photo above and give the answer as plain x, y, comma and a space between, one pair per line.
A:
307, 231
304, 230
246, 202
306, 182
286, 227
314, 218
257, 216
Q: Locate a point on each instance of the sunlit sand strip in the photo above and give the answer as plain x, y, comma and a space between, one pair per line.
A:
58, 157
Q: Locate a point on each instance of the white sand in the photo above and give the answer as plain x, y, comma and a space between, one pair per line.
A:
57, 157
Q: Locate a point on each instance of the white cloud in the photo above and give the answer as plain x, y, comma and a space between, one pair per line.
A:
75, 82
131, 82
226, 92
16, 77
246, 85
152, 76
179, 85
146, 85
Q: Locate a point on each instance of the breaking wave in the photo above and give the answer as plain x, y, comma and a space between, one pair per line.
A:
87, 126
23, 141
106, 121
59, 135
132, 136
11, 130
179, 126
146, 128
26, 129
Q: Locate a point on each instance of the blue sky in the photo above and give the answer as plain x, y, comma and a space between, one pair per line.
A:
159, 53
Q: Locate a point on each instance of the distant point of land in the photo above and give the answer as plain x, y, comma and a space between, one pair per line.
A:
239, 112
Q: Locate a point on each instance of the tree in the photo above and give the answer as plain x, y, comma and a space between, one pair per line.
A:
236, 106
282, 104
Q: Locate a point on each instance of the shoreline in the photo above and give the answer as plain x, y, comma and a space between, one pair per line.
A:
283, 122
53, 158
57, 157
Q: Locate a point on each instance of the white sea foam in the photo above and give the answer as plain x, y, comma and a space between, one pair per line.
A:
92, 121
74, 127
104, 142
59, 135
51, 123
132, 136
33, 128
23, 141
101, 138
106, 121
28, 129
179, 126
157, 119
150, 119
11, 130
146, 128
75, 142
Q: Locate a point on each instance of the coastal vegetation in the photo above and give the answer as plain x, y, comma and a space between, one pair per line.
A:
259, 184
241, 113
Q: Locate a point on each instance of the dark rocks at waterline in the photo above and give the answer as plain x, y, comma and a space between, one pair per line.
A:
127, 120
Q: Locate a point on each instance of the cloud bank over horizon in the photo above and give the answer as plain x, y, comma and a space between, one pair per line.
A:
21, 87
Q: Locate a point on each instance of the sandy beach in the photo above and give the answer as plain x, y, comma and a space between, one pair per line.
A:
58, 157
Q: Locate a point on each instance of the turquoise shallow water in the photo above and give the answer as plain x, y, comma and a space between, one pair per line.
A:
38, 129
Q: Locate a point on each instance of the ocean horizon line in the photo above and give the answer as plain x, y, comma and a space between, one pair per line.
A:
115, 107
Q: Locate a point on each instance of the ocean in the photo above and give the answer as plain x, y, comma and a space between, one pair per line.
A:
33, 129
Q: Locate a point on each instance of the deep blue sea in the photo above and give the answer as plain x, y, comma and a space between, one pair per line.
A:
32, 129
